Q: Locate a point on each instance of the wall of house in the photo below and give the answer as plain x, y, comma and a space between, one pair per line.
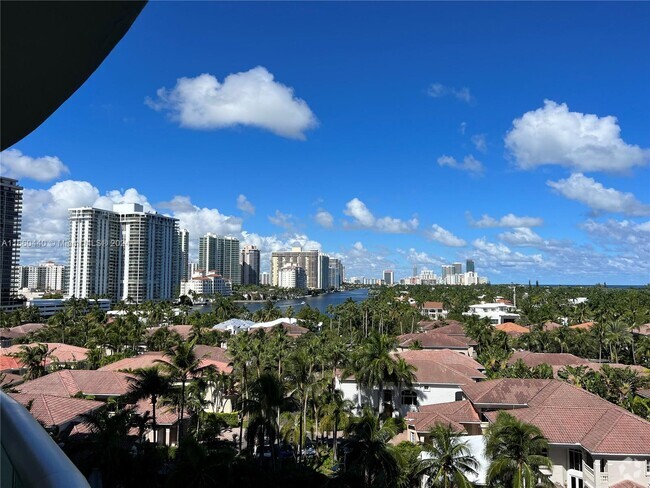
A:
558, 456
619, 469
427, 395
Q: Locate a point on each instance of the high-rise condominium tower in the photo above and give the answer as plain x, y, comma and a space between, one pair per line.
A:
94, 252
458, 268
469, 266
250, 265
126, 254
184, 248
389, 277
314, 263
220, 254
11, 200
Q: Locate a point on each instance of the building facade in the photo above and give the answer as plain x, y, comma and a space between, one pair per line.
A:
335, 273
309, 261
250, 265
124, 254
11, 208
292, 276
184, 248
221, 254
389, 277
206, 284
48, 276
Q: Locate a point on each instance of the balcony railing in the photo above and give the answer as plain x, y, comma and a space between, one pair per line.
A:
29, 455
588, 474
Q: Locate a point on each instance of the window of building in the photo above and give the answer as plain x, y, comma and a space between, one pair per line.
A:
647, 468
388, 396
409, 397
575, 459
458, 396
603, 465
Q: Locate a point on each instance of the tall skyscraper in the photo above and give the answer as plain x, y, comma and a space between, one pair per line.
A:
265, 278
310, 261
447, 270
94, 252
469, 266
11, 207
220, 254
292, 276
335, 273
184, 247
458, 268
389, 277
150, 251
250, 265
124, 254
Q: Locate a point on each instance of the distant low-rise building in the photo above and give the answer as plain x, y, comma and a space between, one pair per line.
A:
206, 284
497, 313
434, 310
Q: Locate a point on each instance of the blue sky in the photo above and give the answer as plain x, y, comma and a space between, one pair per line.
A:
382, 133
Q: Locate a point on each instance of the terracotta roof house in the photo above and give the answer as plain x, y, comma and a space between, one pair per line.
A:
211, 356
583, 326
532, 359
182, 330
59, 354
642, 330
459, 414
644, 393
548, 326
512, 329
7, 335
590, 439
434, 310
10, 380
68, 383
451, 336
438, 377
293, 330
437, 324
55, 412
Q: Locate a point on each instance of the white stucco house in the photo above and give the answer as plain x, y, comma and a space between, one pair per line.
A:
439, 375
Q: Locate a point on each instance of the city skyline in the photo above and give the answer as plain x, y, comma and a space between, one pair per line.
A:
526, 153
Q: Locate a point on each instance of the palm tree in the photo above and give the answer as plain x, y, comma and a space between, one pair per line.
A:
374, 366
33, 360
182, 365
369, 454
149, 383
517, 452
265, 398
337, 412
451, 461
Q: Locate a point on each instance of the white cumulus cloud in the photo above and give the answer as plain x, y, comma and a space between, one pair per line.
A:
438, 90
282, 220
522, 237
364, 218
588, 191
245, 205
469, 164
444, 237
250, 98
509, 220
324, 219
583, 142
15, 164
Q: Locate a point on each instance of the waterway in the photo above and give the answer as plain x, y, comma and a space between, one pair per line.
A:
321, 302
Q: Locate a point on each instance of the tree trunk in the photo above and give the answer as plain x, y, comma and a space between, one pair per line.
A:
182, 412
381, 398
336, 428
155, 431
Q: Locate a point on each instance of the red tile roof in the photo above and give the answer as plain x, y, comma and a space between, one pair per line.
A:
442, 366
431, 340
52, 410
626, 484
585, 325
182, 330
63, 353
67, 383
644, 393
20, 330
9, 379
433, 305
8, 363
211, 356
565, 414
461, 411
433, 324
551, 326
512, 329
165, 415
642, 329
532, 359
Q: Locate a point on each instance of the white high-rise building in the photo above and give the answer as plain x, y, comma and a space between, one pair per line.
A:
292, 276
184, 248
312, 262
94, 253
265, 278
48, 276
221, 254
149, 263
250, 265
123, 254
